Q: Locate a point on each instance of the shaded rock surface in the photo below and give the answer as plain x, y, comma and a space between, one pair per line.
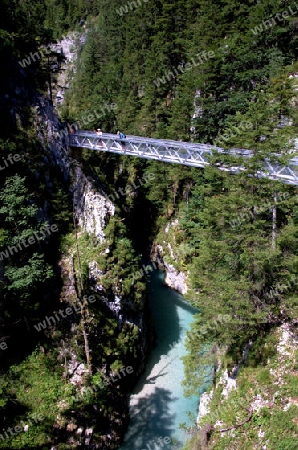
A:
92, 212
175, 279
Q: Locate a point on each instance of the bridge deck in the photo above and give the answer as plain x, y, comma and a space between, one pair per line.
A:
186, 153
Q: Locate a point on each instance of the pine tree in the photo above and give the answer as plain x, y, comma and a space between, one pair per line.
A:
25, 269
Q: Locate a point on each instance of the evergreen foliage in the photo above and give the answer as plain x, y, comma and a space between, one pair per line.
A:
206, 71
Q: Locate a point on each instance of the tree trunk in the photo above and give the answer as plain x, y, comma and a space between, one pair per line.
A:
214, 375
80, 290
274, 217
215, 364
86, 343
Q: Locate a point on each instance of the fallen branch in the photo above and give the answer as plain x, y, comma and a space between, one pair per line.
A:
250, 410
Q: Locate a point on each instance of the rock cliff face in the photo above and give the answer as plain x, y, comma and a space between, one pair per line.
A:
47, 125
92, 212
69, 47
166, 255
92, 209
175, 279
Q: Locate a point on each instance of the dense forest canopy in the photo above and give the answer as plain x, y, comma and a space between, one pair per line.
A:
219, 71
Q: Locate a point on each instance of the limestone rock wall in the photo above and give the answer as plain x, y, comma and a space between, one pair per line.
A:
167, 256
91, 208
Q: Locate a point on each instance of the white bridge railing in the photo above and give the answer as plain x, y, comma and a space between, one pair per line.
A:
188, 154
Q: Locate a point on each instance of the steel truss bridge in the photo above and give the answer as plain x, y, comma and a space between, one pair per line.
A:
188, 154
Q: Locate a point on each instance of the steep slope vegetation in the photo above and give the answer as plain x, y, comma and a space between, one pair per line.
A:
219, 71
72, 333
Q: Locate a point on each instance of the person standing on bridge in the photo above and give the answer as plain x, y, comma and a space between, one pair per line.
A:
99, 133
72, 131
122, 136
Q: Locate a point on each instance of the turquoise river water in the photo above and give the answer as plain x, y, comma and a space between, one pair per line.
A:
157, 405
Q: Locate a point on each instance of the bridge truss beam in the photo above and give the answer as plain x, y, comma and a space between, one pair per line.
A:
185, 153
